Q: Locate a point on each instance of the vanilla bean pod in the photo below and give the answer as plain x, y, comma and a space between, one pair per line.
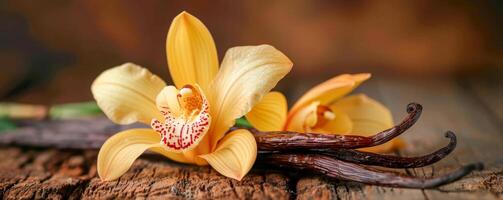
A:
342, 170
391, 161
284, 140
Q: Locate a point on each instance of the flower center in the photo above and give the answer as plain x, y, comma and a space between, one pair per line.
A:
323, 115
187, 117
191, 101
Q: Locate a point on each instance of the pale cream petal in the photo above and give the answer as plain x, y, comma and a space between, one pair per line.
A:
310, 119
191, 52
246, 75
235, 154
127, 93
120, 151
270, 113
330, 90
369, 117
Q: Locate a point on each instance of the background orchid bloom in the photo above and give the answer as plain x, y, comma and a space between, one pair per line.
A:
188, 120
326, 109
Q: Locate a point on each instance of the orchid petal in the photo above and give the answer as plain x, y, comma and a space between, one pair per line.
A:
127, 93
177, 157
246, 75
120, 151
342, 124
330, 90
235, 154
191, 52
310, 119
305, 117
270, 113
368, 117
168, 98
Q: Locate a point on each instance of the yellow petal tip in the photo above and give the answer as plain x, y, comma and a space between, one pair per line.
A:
191, 52
120, 151
331, 90
362, 77
183, 16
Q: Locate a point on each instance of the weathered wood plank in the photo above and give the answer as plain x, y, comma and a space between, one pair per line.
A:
64, 174
161, 180
487, 89
446, 107
47, 174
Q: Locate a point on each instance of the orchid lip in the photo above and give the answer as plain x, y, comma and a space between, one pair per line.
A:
183, 129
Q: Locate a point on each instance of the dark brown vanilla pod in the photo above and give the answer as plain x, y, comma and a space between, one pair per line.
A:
341, 170
391, 161
285, 140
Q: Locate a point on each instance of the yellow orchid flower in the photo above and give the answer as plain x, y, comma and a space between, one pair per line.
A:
188, 121
326, 109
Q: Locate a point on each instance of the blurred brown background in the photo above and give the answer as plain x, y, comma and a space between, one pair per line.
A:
52, 50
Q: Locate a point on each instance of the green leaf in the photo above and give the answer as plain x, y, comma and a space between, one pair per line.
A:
243, 123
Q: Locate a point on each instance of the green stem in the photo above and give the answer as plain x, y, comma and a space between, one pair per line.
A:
74, 110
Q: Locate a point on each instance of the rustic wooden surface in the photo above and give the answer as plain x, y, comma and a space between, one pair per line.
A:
472, 109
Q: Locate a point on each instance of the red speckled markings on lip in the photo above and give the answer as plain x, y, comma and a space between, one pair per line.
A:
180, 132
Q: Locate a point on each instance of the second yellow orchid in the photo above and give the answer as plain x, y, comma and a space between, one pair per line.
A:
326, 109
188, 120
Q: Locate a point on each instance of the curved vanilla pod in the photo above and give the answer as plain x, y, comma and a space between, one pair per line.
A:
342, 170
284, 140
391, 161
